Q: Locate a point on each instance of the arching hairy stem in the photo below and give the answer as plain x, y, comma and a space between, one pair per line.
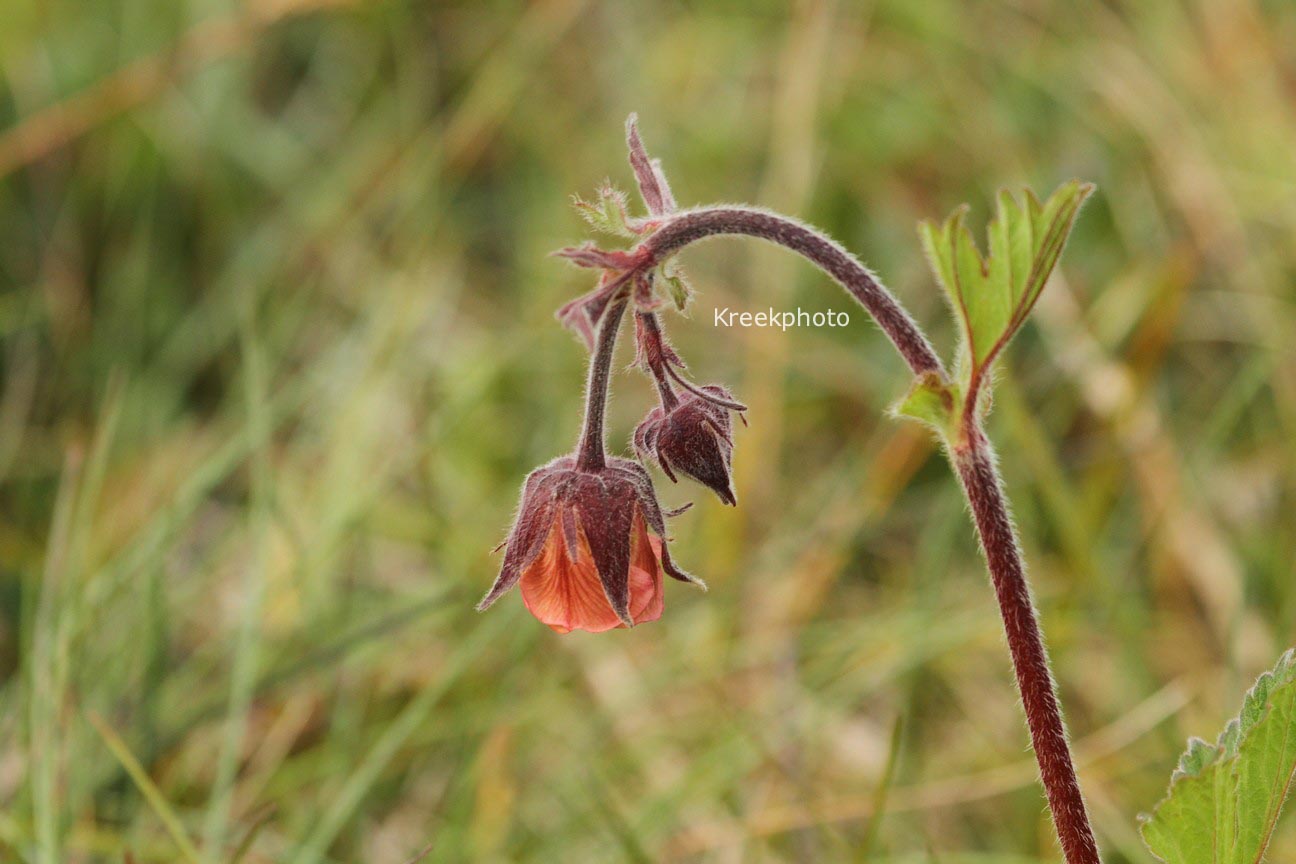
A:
973, 461
690, 226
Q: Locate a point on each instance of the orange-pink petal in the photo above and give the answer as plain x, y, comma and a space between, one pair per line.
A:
568, 595
646, 601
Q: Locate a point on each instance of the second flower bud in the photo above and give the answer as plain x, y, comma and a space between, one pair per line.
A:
694, 437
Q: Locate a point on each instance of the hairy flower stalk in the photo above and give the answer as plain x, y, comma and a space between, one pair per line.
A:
590, 451
588, 545
654, 355
692, 432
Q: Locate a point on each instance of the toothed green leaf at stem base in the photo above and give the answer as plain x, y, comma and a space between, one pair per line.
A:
1225, 798
992, 296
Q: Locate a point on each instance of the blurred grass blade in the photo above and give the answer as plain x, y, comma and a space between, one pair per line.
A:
422, 854
247, 656
57, 619
883, 790
412, 717
249, 837
46, 672
614, 821
36, 136
146, 787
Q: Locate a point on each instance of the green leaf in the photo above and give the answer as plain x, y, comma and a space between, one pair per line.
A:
1225, 798
677, 287
608, 213
992, 297
931, 401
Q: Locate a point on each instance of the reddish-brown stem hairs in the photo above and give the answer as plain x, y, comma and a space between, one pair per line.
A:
655, 359
974, 465
976, 470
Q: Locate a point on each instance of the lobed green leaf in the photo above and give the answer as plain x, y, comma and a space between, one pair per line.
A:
608, 213
992, 296
1225, 798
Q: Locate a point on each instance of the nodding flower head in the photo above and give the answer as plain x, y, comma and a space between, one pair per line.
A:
588, 547
693, 436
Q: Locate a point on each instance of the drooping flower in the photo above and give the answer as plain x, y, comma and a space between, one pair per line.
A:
692, 434
588, 547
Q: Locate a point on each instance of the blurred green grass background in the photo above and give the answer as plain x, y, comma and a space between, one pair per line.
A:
278, 348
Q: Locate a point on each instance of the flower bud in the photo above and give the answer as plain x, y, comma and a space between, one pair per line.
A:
694, 437
582, 550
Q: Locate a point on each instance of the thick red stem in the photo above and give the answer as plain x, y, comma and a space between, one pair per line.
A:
975, 465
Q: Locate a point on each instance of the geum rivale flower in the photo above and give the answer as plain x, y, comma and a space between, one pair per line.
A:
588, 547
